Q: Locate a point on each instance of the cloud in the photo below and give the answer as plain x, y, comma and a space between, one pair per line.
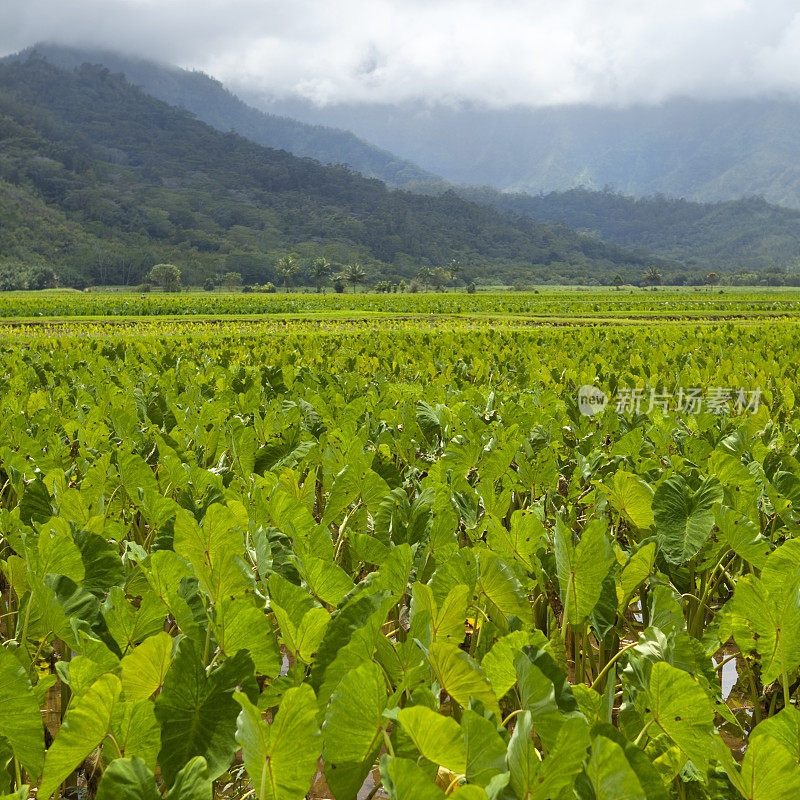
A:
494, 52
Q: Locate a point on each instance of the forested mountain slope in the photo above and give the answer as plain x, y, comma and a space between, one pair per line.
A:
211, 102
145, 182
748, 234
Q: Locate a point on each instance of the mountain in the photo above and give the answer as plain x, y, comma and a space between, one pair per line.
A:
211, 102
695, 149
104, 180
745, 235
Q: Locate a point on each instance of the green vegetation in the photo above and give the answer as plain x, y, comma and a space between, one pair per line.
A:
102, 181
208, 99
233, 546
750, 240
664, 303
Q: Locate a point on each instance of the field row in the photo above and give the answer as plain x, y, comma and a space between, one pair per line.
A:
546, 302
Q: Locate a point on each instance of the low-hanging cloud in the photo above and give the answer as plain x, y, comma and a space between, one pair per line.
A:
494, 52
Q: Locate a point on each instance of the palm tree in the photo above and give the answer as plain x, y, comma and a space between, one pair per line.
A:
354, 273
653, 276
286, 267
440, 277
455, 268
322, 270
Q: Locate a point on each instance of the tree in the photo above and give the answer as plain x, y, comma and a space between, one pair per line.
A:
653, 276
439, 278
230, 280
712, 279
425, 275
354, 273
322, 269
286, 268
455, 268
167, 276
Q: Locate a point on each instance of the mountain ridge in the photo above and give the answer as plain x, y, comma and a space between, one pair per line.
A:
705, 151
145, 181
210, 101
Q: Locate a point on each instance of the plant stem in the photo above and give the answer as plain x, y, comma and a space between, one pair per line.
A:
787, 694
611, 661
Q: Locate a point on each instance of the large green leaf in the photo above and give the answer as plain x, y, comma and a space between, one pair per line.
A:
784, 727
769, 771
439, 624
197, 712
498, 663
239, 625
144, 668
326, 580
461, 677
136, 731
581, 569
135, 475
128, 624
214, 551
538, 697
85, 726
193, 782
501, 588
765, 612
58, 552
350, 639
404, 780
634, 573
609, 773
356, 482
534, 778
631, 497
646, 774
353, 728
302, 639
20, 720
486, 750
438, 738
680, 708
128, 779
684, 519
743, 536
281, 758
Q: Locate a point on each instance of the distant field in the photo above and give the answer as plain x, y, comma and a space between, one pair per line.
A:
559, 303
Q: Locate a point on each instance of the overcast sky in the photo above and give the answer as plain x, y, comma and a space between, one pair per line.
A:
498, 52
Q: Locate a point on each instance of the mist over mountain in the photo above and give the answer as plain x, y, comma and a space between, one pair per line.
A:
212, 103
702, 150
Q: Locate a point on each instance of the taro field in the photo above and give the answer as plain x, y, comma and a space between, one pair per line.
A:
524, 548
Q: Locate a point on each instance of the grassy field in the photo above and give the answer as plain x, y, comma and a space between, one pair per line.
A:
384, 546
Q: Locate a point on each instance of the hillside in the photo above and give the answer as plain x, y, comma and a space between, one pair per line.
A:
700, 150
143, 181
211, 102
746, 235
